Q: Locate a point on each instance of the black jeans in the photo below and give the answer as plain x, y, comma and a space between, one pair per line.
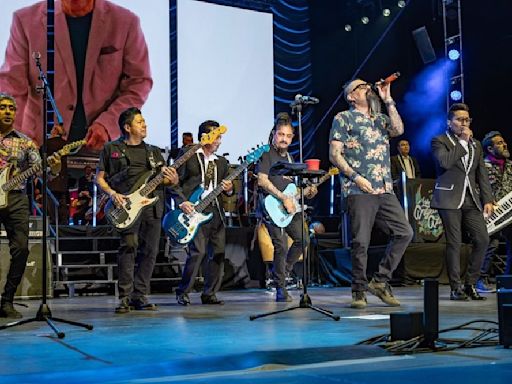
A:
15, 218
210, 242
470, 218
385, 211
139, 245
284, 258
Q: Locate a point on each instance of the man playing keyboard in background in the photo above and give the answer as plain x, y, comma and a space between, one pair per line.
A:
499, 168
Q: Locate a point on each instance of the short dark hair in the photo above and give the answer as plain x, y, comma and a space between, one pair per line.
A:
6, 96
457, 107
283, 119
127, 117
206, 127
187, 134
487, 141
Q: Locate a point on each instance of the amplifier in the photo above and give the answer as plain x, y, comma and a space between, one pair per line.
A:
35, 228
31, 283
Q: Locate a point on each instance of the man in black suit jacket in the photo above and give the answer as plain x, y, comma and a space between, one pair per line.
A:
403, 162
207, 170
462, 185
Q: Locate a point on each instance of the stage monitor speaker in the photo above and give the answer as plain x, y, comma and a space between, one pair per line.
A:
30, 286
505, 316
406, 325
504, 281
431, 309
424, 45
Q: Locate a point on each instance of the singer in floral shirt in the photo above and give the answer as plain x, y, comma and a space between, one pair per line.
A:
359, 147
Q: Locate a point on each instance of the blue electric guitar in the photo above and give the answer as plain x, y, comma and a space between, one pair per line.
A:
180, 227
123, 217
276, 209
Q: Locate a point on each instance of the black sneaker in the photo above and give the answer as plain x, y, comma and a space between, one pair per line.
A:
472, 293
142, 304
211, 299
7, 310
458, 295
124, 306
182, 299
282, 296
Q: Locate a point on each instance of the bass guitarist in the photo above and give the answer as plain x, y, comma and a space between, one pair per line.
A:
284, 259
123, 163
208, 170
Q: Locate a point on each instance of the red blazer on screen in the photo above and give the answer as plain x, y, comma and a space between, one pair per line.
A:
117, 72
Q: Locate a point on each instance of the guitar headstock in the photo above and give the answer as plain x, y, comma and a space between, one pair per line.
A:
71, 147
210, 137
255, 155
333, 171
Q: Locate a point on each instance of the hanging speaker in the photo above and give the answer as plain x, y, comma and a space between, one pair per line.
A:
424, 45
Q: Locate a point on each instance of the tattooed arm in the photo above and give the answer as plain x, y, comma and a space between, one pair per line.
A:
396, 128
266, 184
337, 158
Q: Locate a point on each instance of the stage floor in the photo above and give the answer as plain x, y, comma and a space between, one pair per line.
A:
212, 344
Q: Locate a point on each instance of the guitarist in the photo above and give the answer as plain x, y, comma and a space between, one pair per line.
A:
284, 259
123, 162
205, 169
20, 152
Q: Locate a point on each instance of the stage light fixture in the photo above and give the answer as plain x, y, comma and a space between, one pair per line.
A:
453, 54
401, 4
348, 27
365, 20
456, 95
386, 12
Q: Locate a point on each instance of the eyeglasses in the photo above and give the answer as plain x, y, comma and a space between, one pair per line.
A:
360, 86
463, 120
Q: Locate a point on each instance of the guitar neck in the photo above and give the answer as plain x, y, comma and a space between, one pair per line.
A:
218, 190
22, 177
323, 179
157, 180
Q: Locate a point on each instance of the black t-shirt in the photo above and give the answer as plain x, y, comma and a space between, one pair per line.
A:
267, 160
138, 162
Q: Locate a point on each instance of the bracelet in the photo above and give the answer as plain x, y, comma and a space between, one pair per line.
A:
353, 176
389, 103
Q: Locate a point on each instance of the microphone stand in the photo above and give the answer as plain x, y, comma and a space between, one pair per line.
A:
44, 313
305, 300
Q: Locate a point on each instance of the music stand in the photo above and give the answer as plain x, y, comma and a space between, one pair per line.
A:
298, 170
44, 313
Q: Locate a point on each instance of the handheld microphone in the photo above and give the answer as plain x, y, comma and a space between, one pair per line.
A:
299, 99
388, 79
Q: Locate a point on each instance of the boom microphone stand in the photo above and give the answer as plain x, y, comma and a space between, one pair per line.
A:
301, 174
44, 313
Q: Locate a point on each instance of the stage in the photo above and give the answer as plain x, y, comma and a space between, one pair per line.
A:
217, 343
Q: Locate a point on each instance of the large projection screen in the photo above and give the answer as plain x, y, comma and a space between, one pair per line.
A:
225, 73
155, 25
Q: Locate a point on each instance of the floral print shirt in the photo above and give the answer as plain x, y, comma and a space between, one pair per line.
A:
501, 182
18, 151
365, 148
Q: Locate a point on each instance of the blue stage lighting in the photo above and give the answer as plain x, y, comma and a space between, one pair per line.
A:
453, 54
456, 95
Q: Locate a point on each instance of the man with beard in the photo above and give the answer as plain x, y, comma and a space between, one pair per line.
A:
499, 168
359, 147
284, 259
462, 185
208, 170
